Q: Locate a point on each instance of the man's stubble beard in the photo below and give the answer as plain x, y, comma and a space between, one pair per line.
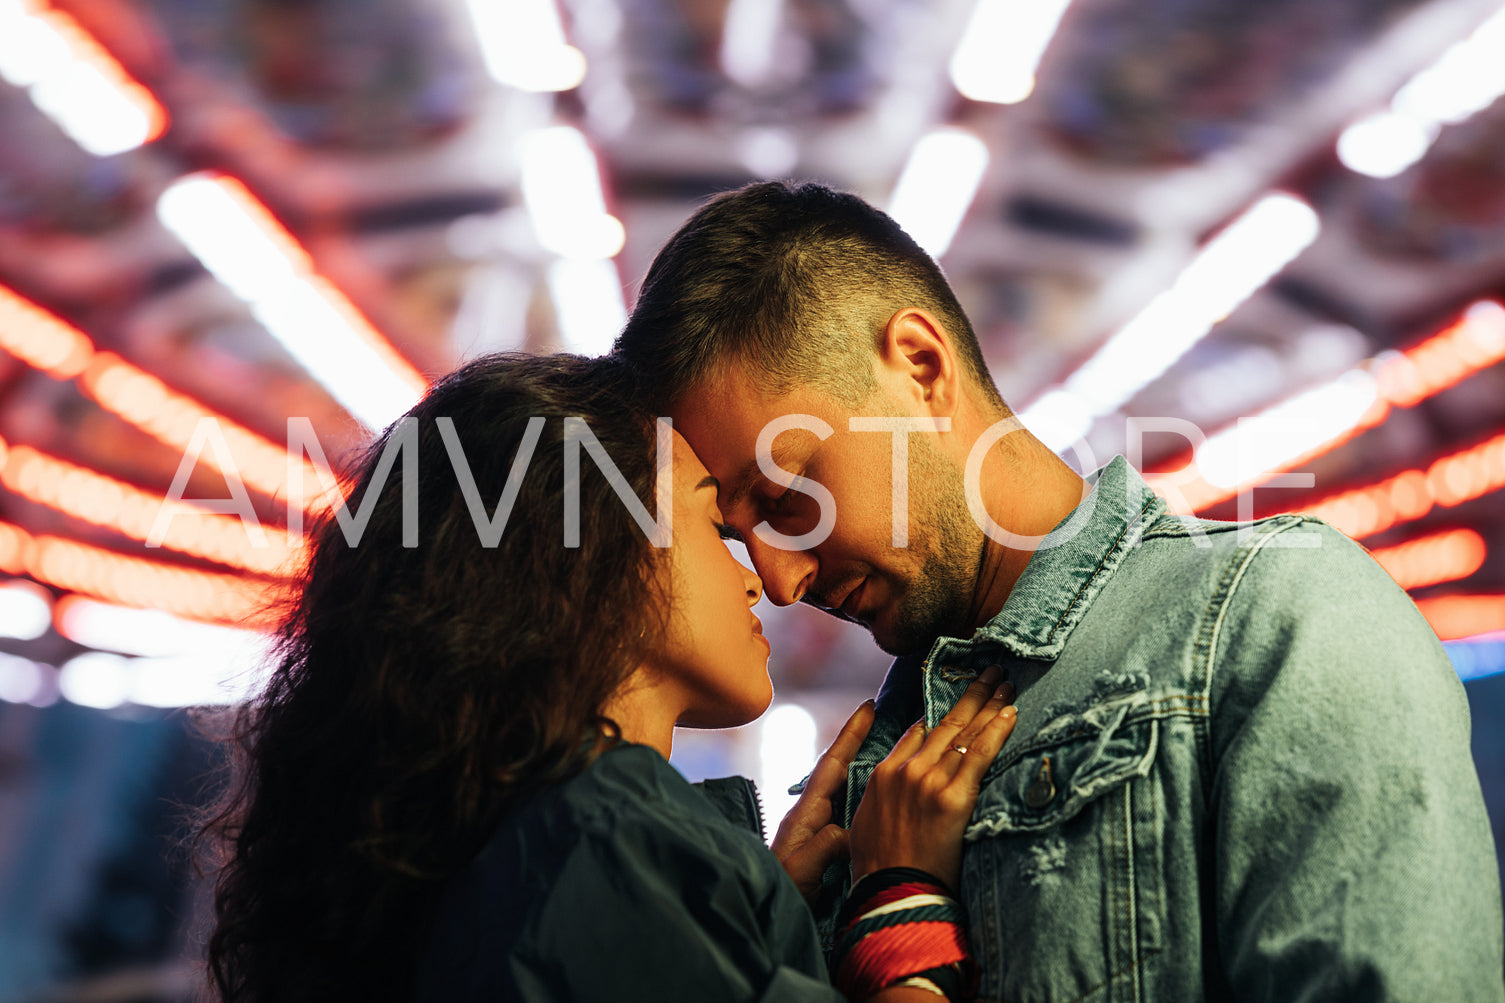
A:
940, 600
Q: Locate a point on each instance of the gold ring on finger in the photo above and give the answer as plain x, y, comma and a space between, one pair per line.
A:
959, 748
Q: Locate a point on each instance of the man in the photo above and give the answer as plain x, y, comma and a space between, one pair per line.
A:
1241, 767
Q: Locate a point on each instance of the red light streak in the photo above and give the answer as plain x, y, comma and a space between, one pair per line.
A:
104, 501
1475, 342
135, 581
1451, 480
60, 350
83, 47
1460, 616
1430, 560
302, 263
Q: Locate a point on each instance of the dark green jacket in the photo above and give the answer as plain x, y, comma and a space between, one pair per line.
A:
626, 883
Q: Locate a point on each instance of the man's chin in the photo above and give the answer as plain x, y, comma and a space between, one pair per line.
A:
891, 631
900, 639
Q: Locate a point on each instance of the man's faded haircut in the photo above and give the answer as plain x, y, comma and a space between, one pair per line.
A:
795, 283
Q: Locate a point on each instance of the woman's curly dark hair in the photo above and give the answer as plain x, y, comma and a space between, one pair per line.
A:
423, 685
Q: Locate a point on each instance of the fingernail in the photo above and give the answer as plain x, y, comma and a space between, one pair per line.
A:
1009, 711
991, 674
1006, 691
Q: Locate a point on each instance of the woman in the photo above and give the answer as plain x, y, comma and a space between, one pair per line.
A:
454, 784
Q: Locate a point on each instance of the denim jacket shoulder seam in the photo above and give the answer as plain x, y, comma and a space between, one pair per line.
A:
1205, 647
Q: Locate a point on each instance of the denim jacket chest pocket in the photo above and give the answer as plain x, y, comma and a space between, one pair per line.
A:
1068, 830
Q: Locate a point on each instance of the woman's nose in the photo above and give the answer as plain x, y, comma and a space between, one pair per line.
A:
786, 574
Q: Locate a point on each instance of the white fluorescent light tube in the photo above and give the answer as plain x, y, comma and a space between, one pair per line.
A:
74, 82
1468, 78
562, 190
523, 45
1227, 271
747, 37
131, 631
299, 309
186, 662
937, 186
1001, 48
1279, 436
25, 610
588, 301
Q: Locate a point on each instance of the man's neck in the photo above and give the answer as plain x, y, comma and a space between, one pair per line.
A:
1030, 492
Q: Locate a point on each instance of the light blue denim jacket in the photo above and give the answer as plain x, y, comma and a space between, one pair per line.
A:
1241, 771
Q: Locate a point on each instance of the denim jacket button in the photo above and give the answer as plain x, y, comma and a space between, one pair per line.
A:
1042, 790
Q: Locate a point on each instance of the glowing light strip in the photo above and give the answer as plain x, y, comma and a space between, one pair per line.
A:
242, 244
60, 350
588, 301
1320, 420
1451, 480
748, 33
1273, 439
937, 186
1001, 48
523, 45
104, 501
1459, 616
170, 417
1468, 78
1226, 271
74, 81
41, 340
1433, 559
561, 185
134, 581
142, 632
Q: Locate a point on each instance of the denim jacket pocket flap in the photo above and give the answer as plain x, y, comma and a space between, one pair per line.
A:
1071, 763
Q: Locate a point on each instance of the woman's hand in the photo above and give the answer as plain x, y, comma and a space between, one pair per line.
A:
808, 841
920, 798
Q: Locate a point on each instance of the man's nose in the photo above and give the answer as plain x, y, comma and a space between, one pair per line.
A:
786, 574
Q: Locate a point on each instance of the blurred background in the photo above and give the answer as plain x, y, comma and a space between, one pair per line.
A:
1246, 244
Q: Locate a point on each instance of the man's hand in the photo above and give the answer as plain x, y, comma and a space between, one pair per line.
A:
807, 840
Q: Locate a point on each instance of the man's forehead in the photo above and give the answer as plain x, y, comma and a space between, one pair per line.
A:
722, 423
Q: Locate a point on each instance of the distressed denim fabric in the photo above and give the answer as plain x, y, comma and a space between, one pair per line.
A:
1241, 771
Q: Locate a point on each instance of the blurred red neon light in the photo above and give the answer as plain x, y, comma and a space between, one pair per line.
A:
1411, 494
41, 340
302, 263
1475, 342
1454, 617
1429, 560
135, 581
60, 350
104, 501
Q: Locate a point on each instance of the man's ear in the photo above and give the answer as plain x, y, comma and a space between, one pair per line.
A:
918, 361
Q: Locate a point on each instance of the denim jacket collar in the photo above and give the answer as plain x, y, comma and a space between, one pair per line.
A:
1057, 587
1076, 559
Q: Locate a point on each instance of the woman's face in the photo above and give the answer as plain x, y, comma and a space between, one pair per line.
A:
714, 655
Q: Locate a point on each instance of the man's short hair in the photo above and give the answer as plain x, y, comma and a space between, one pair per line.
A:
794, 282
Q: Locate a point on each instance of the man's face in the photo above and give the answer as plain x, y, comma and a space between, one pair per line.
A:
905, 596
